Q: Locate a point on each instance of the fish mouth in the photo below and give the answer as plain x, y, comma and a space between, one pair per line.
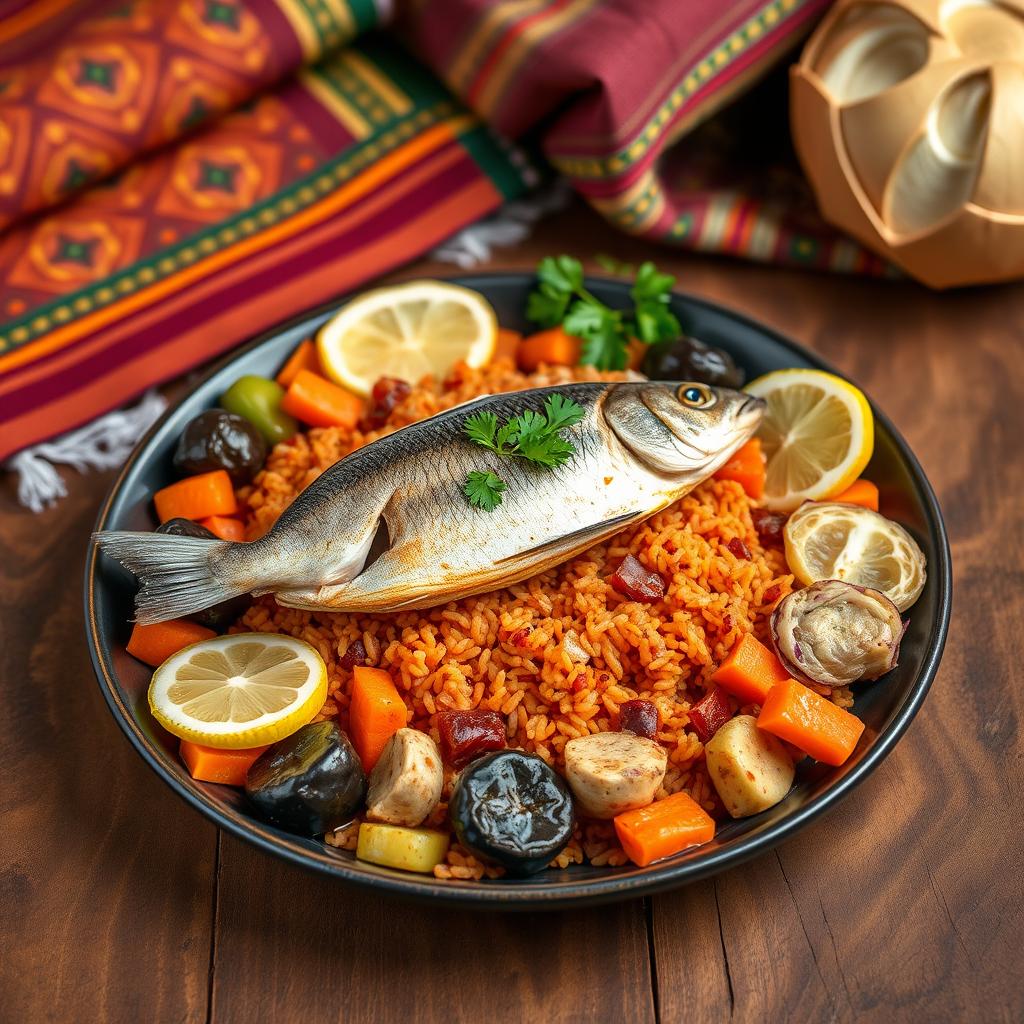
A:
750, 413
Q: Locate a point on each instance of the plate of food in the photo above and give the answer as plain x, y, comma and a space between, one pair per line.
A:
518, 591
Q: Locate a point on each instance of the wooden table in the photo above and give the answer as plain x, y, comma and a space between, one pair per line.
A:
119, 903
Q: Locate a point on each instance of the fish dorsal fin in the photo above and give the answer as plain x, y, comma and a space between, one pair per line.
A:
575, 541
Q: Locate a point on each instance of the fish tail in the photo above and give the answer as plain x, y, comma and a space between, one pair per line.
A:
177, 575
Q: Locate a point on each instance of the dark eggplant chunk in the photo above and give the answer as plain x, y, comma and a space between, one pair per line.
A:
218, 616
218, 439
512, 809
311, 782
691, 359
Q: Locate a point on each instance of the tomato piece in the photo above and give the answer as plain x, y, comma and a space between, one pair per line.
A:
710, 713
636, 582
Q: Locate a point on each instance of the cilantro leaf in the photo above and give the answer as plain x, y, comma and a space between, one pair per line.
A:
483, 490
480, 427
533, 436
547, 305
563, 273
562, 412
651, 283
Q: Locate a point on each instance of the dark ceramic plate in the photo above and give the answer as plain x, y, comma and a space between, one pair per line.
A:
886, 707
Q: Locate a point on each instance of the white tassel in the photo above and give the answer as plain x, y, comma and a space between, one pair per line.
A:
510, 225
103, 444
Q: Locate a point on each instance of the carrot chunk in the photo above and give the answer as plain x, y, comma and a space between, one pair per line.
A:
507, 344
746, 467
663, 828
209, 764
553, 346
750, 670
303, 358
860, 492
319, 402
197, 497
376, 712
154, 644
798, 715
224, 527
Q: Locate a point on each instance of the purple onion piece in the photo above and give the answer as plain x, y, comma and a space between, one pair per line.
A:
834, 633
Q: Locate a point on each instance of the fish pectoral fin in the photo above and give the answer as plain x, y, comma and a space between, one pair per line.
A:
575, 540
308, 599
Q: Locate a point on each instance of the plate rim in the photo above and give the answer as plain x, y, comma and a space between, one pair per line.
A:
513, 895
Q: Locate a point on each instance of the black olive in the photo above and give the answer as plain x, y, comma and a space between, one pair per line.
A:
311, 782
218, 616
511, 808
217, 439
691, 359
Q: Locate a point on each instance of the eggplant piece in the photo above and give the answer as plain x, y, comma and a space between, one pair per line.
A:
310, 783
511, 809
687, 358
218, 439
219, 616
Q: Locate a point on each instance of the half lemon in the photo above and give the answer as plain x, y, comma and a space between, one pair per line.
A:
239, 691
407, 331
836, 541
817, 435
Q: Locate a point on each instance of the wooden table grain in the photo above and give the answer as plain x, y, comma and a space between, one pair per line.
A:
120, 903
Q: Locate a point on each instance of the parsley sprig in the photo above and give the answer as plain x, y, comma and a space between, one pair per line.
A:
560, 298
533, 436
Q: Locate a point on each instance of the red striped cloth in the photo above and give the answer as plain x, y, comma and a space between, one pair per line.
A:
177, 175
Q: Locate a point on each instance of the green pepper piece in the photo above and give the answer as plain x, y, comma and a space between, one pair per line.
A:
259, 401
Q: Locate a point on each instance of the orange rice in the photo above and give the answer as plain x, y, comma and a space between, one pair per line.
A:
557, 654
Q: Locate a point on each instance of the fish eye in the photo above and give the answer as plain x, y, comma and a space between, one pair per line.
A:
696, 396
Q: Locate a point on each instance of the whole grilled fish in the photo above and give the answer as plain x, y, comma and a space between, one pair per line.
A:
639, 447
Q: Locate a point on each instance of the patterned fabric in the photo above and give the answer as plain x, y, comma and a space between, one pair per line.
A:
611, 86
177, 175
350, 166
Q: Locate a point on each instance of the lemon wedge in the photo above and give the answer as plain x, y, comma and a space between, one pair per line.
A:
238, 691
817, 435
407, 331
834, 541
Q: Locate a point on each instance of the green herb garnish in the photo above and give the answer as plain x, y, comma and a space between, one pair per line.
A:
483, 489
561, 299
533, 436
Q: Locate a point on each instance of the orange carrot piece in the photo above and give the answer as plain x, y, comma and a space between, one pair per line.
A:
305, 357
798, 715
636, 350
197, 497
746, 467
225, 527
507, 344
553, 346
154, 644
860, 492
750, 670
663, 828
210, 764
376, 712
319, 402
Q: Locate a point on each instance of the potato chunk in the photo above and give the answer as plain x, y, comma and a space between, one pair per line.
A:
749, 767
612, 772
405, 784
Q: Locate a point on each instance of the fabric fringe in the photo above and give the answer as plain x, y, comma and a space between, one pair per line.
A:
103, 444
509, 226
106, 442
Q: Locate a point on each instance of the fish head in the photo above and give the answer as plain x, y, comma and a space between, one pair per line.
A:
682, 428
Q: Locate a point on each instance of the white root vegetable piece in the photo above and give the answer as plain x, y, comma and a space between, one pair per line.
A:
612, 772
749, 767
405, 784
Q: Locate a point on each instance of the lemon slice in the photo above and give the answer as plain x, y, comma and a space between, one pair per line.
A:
817, 435
244, 690
833, 541
407, 331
